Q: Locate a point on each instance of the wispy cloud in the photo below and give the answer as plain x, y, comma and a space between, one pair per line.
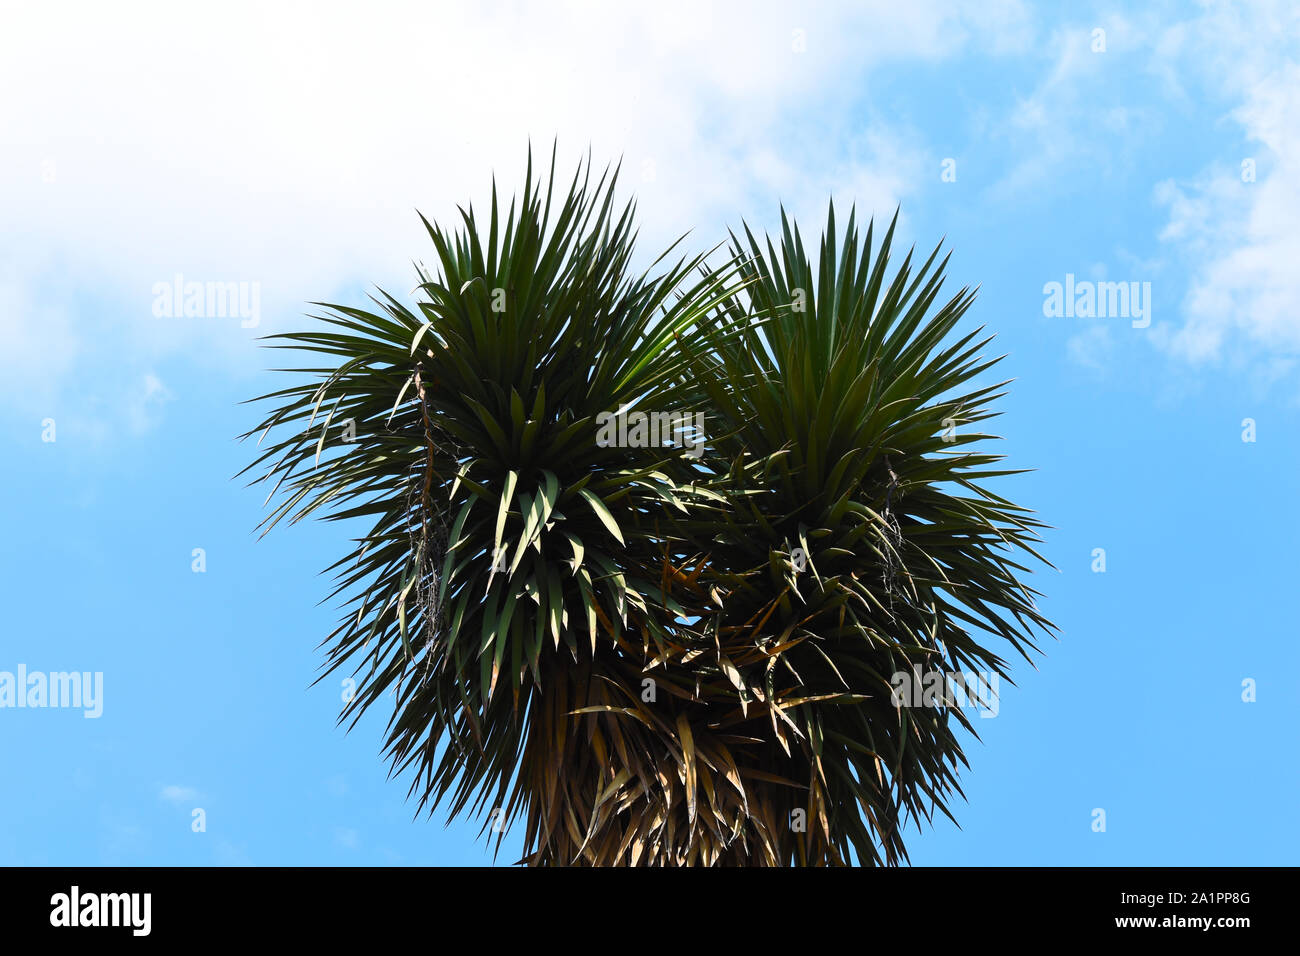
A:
1091, 348
1081, 113
229, 181
144, 403
178, 795
1234, 224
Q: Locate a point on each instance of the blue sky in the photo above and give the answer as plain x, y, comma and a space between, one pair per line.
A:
291, 153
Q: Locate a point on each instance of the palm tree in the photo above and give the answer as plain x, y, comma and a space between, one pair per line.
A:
659, 652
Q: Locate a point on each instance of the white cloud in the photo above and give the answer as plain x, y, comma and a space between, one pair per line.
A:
38, 343
227, 853
1081, 114
1240, 238
289, 144
1091, 348
178, 795
144, 403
